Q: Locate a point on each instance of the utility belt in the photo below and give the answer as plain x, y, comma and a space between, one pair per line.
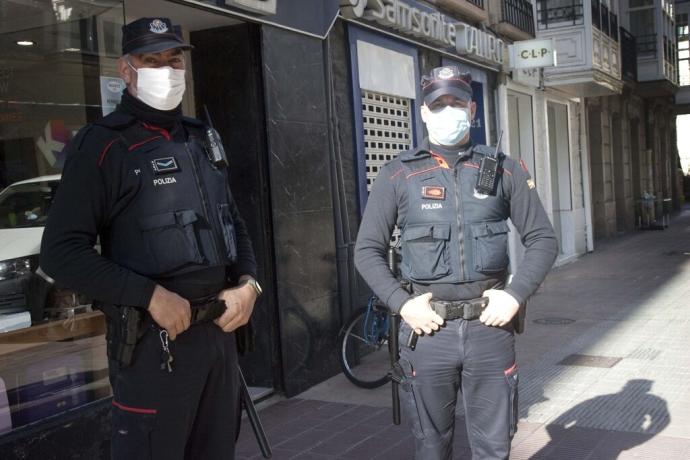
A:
206, 309
126, 326
448, 310
459, 309
452, 309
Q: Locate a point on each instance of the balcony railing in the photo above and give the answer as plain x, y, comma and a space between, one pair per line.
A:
670, 52
519, 14
604, 20
596, 14
604, 11
477, 3
646, 45
613, 21
628, 55
564, 15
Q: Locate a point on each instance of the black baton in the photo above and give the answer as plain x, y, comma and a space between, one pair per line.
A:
394, 356
253, 417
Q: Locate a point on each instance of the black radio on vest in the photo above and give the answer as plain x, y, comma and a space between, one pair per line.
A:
215, 150
486, 181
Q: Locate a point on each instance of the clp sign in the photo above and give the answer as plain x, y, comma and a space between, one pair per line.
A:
532, 53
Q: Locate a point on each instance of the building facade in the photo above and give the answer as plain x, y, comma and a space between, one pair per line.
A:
650, 161
682, 99
618, 58
543, 115
311, 98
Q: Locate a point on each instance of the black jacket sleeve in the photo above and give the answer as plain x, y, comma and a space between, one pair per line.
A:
246, 262
536, 232
83, 201
371, 249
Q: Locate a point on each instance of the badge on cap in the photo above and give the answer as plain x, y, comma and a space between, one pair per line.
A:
158, 27
165, 165
445, 72
434, 192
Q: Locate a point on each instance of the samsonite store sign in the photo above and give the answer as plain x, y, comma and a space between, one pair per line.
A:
411, 18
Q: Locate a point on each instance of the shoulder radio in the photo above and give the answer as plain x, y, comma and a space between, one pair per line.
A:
486, 181
214, 145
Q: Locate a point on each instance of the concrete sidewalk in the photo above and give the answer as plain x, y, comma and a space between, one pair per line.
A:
604, 370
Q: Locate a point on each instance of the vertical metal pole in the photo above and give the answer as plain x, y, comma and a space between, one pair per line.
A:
394, 351
253, 417
393, 348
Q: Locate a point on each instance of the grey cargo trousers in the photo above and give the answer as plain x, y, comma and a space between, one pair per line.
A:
479, 361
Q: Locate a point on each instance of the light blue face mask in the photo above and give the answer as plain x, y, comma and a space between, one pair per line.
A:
449, 125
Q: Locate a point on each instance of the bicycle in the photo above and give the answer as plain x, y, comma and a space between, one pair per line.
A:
365, 351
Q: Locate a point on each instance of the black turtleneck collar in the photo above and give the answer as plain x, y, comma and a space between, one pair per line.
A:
167, 119
450, 154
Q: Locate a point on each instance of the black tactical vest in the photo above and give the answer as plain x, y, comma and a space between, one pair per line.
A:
172, 215
452, 234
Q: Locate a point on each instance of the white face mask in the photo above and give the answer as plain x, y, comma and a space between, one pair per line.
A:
448, 126
162, 88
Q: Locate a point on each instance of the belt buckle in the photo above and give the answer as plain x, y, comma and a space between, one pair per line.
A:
458, 310
467, 312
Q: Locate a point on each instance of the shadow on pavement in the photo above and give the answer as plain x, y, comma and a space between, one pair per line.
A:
578, 432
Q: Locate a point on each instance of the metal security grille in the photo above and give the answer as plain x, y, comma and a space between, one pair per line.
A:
387, 130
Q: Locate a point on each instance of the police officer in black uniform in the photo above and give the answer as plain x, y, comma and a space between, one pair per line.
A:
451, 199
176, 273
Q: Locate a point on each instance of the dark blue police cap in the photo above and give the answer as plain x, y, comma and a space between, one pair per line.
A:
151, 35
446, 80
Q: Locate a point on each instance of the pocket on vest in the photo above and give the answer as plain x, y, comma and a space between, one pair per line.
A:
171, 239
490, 246
425, 251
228, 227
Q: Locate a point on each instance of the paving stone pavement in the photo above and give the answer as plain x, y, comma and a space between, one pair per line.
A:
629, 301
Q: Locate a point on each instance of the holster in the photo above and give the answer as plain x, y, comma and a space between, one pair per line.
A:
398, 375
519, 319
244, 335
407, 286
125, 328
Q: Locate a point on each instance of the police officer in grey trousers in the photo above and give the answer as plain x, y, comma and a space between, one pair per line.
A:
176, 273
451, 199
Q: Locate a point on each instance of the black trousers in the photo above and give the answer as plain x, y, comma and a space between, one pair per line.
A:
479, 361
189, 413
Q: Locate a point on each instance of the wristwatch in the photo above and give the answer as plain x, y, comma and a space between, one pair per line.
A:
255, 284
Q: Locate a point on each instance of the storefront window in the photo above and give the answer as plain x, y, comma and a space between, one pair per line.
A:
57, 73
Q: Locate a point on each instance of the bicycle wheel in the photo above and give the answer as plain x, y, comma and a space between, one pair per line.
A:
364, 348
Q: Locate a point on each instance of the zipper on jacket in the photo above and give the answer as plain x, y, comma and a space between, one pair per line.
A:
204, 201
458, 213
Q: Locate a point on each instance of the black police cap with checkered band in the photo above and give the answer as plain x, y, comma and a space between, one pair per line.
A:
446, 80
151, 35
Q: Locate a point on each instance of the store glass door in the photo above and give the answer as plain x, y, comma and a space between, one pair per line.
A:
55, 60
521, 148
559, 156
